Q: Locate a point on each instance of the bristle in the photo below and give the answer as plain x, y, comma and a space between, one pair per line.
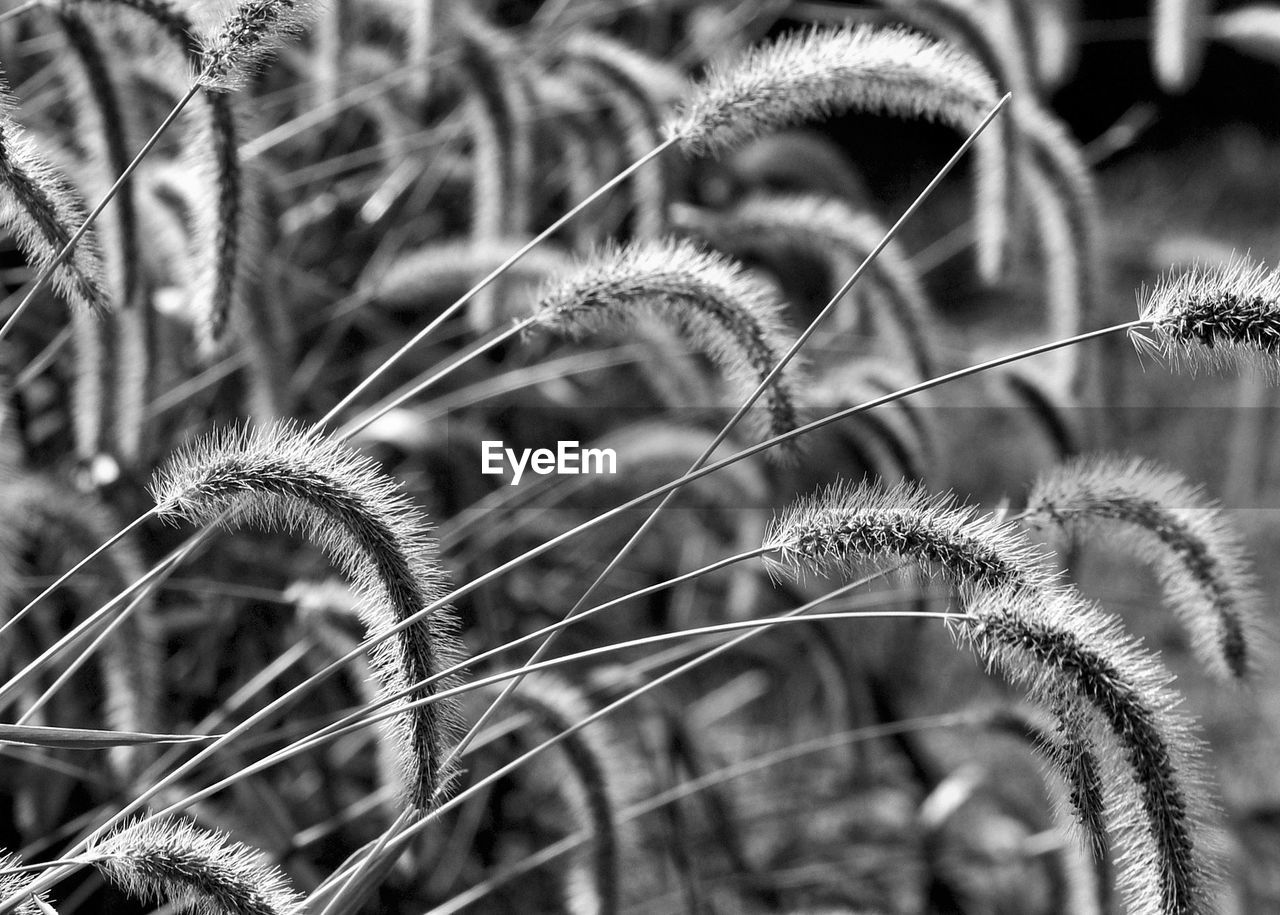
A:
13, 883
825, 72
279, 478
1205, 575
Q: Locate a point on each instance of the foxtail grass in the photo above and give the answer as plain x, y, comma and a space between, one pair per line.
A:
717, 305
639, 91
246, 38
825, 72
1216, 317
840, 235
277, 477
177, 863
1067, 654
555, 706
1158, 515
38, 206
985, 33
845, 527
11, 883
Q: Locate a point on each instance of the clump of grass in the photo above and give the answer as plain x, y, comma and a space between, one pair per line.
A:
279, 477
177, 863
1168, 522
825, 72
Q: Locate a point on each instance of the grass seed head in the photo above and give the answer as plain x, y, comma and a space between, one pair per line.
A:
176, 862
279, 478
844, 527
718, 306
38, 206
824, 72
1068, 654
1220, 316
1199, 558
247, 37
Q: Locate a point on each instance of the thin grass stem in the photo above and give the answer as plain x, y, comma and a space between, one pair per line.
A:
124, 532
489, 278
753, 627
773, 375
695, 785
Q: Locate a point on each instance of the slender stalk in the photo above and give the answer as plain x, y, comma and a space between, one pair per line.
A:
408, 834
372, 415
81, 659
710, 779
742, 411
124, 532
361, 716
492, 275
752, 627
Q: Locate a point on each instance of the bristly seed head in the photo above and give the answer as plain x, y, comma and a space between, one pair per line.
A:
247, 38
11, 884
1068, 654
845, 527
722, 309
824, 72
1221, 316
280, 478
1198, 556
177, 862
39, 207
